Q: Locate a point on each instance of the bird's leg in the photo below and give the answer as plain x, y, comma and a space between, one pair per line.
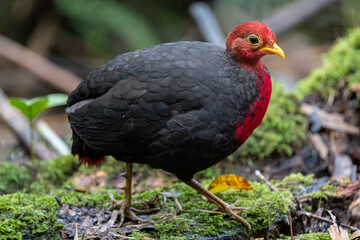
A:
213, 198
126, 210
126, 203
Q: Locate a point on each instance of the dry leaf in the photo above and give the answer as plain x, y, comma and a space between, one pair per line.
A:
336, 232
355, 87
229, 181
93, 181
355, 234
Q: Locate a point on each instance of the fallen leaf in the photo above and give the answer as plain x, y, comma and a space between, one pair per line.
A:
229, 181
348, 189
355, 234
93, 181
336, 232
355, 87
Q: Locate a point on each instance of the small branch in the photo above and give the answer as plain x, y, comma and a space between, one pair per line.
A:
40, 66
76, 237
294, 13
52, 138
59, 201
178, 204
207, 23
311, 215
264, 179
332, 121
319, 144
291, 227
111, 222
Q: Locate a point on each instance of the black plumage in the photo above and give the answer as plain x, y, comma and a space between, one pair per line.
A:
173, 106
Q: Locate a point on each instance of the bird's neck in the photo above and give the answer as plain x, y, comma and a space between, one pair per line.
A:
257, 109
256, 66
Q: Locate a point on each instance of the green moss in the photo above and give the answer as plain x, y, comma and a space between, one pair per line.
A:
268, 208
13, 177
282, 129
39, 211
342, 62
313, 236
59, 169
295, 178
28, 216
139, 235
38, 176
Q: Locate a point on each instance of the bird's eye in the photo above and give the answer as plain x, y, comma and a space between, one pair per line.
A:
253, 39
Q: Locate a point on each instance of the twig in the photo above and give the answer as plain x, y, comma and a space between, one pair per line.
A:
76, 236
319, 144
263, 178
291, 228
311, 215
332, 121
207, 23
111, 222
59, 201
52, 138
46, 70
294, 13
123, 236
178, 204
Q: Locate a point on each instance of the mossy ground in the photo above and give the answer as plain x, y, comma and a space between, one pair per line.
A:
312, 236
31, 213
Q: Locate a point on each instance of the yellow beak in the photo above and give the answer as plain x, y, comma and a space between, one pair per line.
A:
275, 49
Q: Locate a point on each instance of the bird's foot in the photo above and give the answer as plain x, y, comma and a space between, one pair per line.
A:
127, 211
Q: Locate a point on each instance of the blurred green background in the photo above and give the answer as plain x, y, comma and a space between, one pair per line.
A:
80, 35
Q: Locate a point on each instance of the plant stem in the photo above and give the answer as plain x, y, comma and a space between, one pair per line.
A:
32, 154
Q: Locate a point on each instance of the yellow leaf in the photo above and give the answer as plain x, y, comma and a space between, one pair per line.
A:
229, 181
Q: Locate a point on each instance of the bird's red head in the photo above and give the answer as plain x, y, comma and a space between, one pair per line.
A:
250, 41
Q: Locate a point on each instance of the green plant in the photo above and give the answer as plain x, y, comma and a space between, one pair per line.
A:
34, 106
341, 63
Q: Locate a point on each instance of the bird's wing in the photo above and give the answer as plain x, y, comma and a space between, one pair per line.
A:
131, 98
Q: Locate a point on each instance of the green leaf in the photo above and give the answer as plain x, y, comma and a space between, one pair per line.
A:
30, 107
34, 106
37, 106
21, 105
56, 99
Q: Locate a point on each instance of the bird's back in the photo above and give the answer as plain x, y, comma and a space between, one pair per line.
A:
174, 106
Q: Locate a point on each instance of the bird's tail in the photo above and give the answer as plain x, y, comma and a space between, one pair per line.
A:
87, 155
